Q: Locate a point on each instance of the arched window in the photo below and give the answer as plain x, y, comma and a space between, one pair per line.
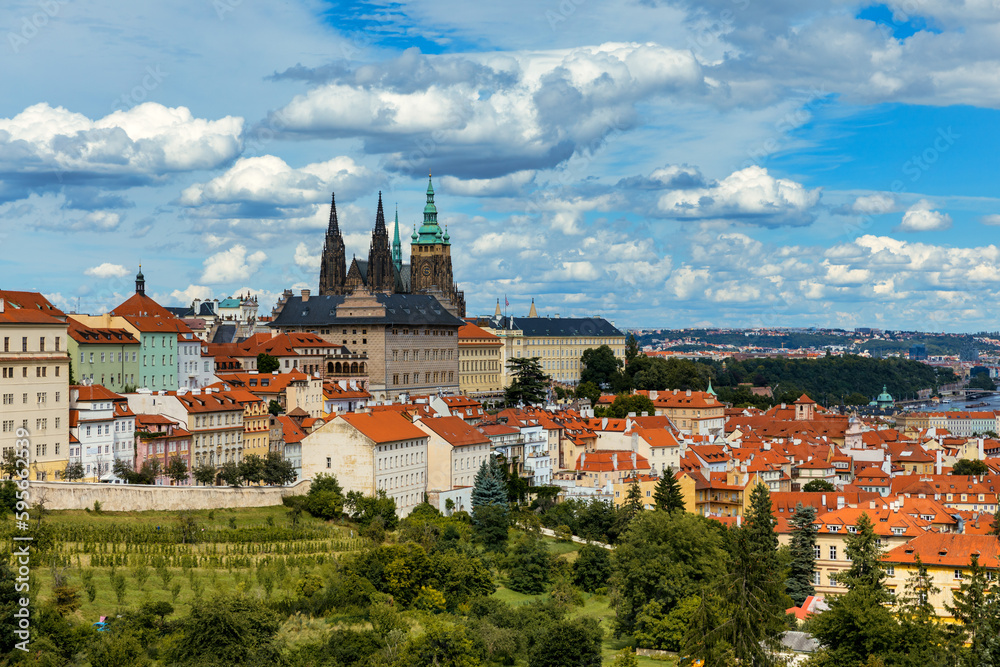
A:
361, 367
354, 367
329, 367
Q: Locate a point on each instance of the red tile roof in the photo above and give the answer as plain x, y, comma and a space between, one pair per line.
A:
384, 426
949, 549
455, 431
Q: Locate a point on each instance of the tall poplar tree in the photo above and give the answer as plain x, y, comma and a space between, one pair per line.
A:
799, 584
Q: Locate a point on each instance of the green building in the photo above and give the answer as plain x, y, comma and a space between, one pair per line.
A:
108, 357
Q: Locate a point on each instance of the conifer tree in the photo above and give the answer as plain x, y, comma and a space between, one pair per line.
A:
977, 612
750, 599
633, 501
858, 625
488, 487
490, 515
760, 522
799, 584
667, 494
865, 554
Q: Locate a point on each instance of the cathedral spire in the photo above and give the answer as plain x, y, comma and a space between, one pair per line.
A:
532, 312
140, 282
397, 246
333, 229
380, 218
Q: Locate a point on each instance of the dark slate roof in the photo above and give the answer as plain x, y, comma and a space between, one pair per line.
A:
399, 309
565, 326
800, 642
180, 311
207, 308
225, 333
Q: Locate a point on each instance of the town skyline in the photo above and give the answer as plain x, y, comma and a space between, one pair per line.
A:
657, 165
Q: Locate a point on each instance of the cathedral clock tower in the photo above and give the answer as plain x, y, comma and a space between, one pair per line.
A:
430, 259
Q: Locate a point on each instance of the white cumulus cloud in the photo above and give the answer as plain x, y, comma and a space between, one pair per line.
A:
306, 260
147, 141
922, 218
269, 179
750, 194
232, 265
107, 270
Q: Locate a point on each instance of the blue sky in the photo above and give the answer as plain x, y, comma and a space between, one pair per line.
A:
656, 162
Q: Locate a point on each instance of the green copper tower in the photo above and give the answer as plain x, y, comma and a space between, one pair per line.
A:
397, 246
430, 232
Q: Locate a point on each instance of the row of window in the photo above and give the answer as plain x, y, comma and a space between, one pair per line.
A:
416, 332
24, 344
165, 341
231, 418
429, 354
480, 365
122, 357
41, 398
128, 379
40, 371
429, 377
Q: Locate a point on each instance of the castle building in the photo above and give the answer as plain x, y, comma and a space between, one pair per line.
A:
429, 271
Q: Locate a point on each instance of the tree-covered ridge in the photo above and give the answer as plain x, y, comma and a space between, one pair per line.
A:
828, 380
936, 344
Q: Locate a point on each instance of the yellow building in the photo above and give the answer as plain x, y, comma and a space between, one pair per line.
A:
647, 487
946, 557
558, 342
480, 363
34, 381
893, 528
256, 423
708, 496
697, 412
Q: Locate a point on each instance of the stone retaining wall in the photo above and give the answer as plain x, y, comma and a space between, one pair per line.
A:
140, 497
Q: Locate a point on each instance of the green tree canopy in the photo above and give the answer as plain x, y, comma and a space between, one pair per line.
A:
600, 366
970, 467
799, 584
177, 469
819, 485
663, 556
529, 384
228, 630
624, 404
667, 494
267, 364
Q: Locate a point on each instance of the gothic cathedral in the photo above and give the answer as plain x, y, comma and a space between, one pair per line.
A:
429, 270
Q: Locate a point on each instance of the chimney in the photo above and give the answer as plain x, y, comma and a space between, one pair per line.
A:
305, 295
1, 305
824, 501
614, 460
635, 442
688, 392
982, 453
635, 462
841, 503
938, 464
